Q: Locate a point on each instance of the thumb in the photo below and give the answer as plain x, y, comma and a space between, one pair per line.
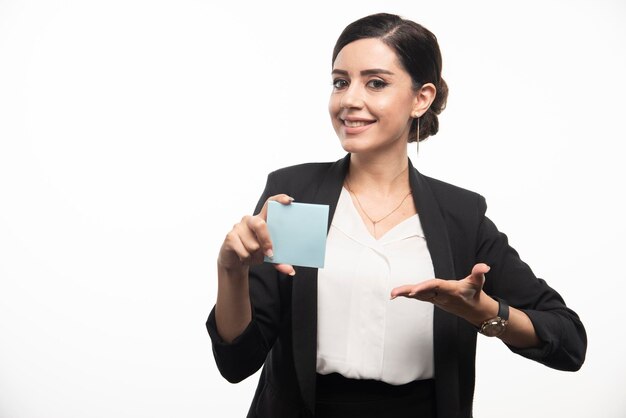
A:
281, 198
477, 277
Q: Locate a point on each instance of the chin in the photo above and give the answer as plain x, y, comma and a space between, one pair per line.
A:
361, 144
352, 145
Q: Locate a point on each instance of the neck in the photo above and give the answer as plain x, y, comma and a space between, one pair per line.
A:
381, 174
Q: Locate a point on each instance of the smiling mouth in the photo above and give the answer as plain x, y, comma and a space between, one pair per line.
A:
356, 123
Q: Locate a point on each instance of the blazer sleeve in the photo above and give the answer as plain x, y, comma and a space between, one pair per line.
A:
246, 354
563, 336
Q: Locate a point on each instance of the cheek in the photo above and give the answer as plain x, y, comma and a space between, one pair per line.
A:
388, 111
385, 104
333, 109
334, 104
394, 110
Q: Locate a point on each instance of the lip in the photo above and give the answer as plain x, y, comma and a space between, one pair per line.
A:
354, 130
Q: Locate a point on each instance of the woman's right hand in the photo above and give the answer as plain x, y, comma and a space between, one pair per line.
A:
249, 241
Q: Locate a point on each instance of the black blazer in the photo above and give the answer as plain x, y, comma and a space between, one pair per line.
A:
283, 332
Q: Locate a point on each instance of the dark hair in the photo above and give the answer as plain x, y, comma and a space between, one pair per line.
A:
418, 52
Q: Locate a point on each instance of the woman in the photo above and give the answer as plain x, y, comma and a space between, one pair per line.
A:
353, 338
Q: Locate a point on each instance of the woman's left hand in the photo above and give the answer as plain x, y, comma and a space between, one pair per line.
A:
464, 298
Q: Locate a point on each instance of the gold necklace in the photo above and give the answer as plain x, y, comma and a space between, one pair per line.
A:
365, 213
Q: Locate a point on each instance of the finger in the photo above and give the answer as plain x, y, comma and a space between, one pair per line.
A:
258, 234
419, 294
238, 247
481, 268
285, 269
281, 198
259, 226
253, 250
422, 291
401, 290
425, 291
246, 233
477, 277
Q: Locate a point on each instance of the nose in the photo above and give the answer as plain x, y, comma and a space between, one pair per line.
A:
352, 98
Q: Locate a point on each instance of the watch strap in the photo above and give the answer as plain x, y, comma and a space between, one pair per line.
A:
503, 309
494, 327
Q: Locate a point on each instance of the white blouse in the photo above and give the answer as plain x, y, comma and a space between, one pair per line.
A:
361, 333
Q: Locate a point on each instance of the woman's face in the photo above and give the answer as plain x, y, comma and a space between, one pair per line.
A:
372, 99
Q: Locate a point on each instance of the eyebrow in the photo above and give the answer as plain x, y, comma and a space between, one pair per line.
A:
372, 71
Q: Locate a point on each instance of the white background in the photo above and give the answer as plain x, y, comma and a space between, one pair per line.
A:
133, 134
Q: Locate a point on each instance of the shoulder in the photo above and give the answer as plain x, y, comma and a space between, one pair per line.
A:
449, 193
303, 180
455, 200
310, 170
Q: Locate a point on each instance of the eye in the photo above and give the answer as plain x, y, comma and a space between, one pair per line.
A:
340, 83
377, 84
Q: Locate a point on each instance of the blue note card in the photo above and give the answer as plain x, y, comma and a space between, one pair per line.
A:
298, 233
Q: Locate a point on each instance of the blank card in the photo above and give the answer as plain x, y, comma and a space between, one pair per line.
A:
298, 233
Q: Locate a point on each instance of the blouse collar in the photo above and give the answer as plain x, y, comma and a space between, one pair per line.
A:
348, 220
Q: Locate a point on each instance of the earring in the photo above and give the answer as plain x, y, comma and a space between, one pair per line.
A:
417, 139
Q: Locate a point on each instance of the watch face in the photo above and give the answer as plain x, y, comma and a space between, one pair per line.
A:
493, 327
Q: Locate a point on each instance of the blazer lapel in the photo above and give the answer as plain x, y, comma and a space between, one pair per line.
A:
304, 292
445, 327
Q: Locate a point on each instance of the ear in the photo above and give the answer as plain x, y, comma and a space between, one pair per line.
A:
423, 99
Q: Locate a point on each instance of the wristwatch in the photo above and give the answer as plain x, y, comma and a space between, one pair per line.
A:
494, 327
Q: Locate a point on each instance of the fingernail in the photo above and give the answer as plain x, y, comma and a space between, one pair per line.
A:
269, 253
411, 294
292, 273
291, 198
